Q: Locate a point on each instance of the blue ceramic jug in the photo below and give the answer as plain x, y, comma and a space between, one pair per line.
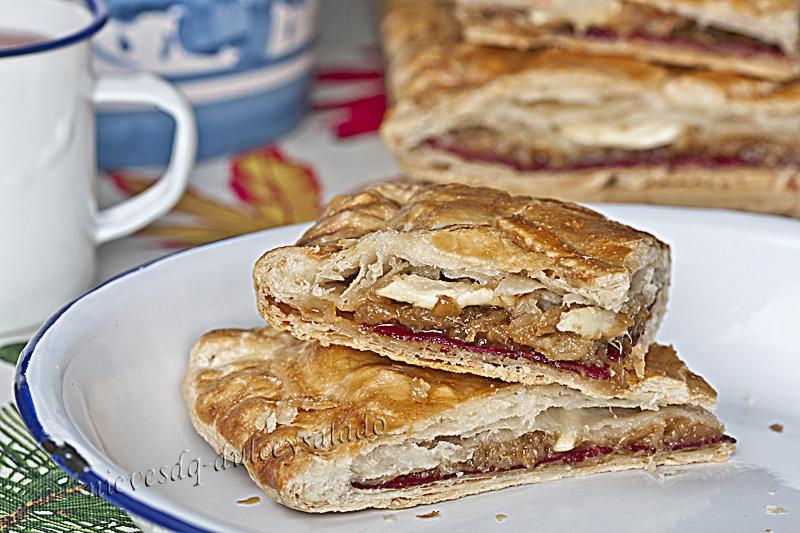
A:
245, 65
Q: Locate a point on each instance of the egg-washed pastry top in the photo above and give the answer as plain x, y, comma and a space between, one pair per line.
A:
336, 429
753, 37
473, 280
577, 125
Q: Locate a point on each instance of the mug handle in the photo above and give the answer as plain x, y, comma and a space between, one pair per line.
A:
135, 213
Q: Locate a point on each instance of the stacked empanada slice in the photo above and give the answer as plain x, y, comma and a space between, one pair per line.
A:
374, 386
474, 280
336, 429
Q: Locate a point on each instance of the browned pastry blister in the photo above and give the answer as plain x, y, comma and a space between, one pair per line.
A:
584, 127
475, 281
335, 429
755, 38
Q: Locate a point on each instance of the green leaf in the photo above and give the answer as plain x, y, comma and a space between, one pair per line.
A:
36, 496
11, 352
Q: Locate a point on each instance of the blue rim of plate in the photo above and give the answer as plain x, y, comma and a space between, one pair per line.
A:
29, 416
99, 12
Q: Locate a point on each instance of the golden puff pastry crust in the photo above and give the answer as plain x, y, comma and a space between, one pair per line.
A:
759, 39
575, 126
311, 423
483, 268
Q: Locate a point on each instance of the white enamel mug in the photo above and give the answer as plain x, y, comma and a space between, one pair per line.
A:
49, 220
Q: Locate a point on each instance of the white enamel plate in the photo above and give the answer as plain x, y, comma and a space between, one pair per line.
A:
99, 386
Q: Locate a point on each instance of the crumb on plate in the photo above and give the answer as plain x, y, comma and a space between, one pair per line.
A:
432, 514
777, 428
500, 517
774, 509
252, 500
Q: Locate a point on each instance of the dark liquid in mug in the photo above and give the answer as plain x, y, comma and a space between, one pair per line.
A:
15, 39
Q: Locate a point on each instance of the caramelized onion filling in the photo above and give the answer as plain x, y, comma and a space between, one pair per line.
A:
708, 39
537, 448
633, 22
595, 370
478, 144
497, 332
528, 316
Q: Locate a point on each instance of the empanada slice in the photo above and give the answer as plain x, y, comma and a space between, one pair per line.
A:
474, 280
754, 37
335, 429
584, 127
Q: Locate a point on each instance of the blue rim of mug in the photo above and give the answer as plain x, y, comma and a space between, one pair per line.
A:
99, 13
